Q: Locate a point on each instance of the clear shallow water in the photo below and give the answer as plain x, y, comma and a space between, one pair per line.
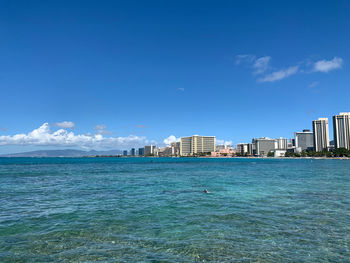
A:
154, 210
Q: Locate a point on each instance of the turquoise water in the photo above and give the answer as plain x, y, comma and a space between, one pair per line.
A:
154, 210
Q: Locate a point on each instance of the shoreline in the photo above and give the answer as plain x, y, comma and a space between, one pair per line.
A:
186, 157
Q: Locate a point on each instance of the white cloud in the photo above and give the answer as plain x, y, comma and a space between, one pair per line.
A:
328, 65
281, 74
223, 142
261, 64
65, 124
43, 136
171, 139
181, 89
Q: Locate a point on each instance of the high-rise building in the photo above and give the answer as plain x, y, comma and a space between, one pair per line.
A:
262, 146
341, 130
321, 134
186, 146
197, 144
245, 149
141, 151
292, 142
304, 140
125, 153
132, 152
281, 143
175, 148
149, 150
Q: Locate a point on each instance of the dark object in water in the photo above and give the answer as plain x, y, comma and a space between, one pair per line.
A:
206, 191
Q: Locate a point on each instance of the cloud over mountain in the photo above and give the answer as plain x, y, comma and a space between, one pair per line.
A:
43, 136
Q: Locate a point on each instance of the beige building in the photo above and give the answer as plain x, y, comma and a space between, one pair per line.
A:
321, 134
197, 144
341, 127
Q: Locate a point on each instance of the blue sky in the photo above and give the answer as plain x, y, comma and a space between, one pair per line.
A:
113, 74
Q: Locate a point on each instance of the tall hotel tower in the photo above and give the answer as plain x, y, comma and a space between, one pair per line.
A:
196, 144
341, 128
321, 134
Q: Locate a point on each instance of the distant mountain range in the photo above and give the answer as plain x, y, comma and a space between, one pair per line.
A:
62, 153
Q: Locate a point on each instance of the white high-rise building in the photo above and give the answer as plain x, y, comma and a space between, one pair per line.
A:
341, 130
197, 144
281, 143
321, 134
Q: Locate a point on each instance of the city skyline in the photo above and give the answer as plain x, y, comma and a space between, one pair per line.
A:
107, 75
303, 143
45, 137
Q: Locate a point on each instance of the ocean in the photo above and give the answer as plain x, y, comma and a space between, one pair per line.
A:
155, 210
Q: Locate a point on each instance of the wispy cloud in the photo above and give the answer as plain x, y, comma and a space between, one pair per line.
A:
281, 74
181, 89
328, 65
245, 58
313, 84
102, 129
3, 129
140, 126
43, 136
65, 124
261, 64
